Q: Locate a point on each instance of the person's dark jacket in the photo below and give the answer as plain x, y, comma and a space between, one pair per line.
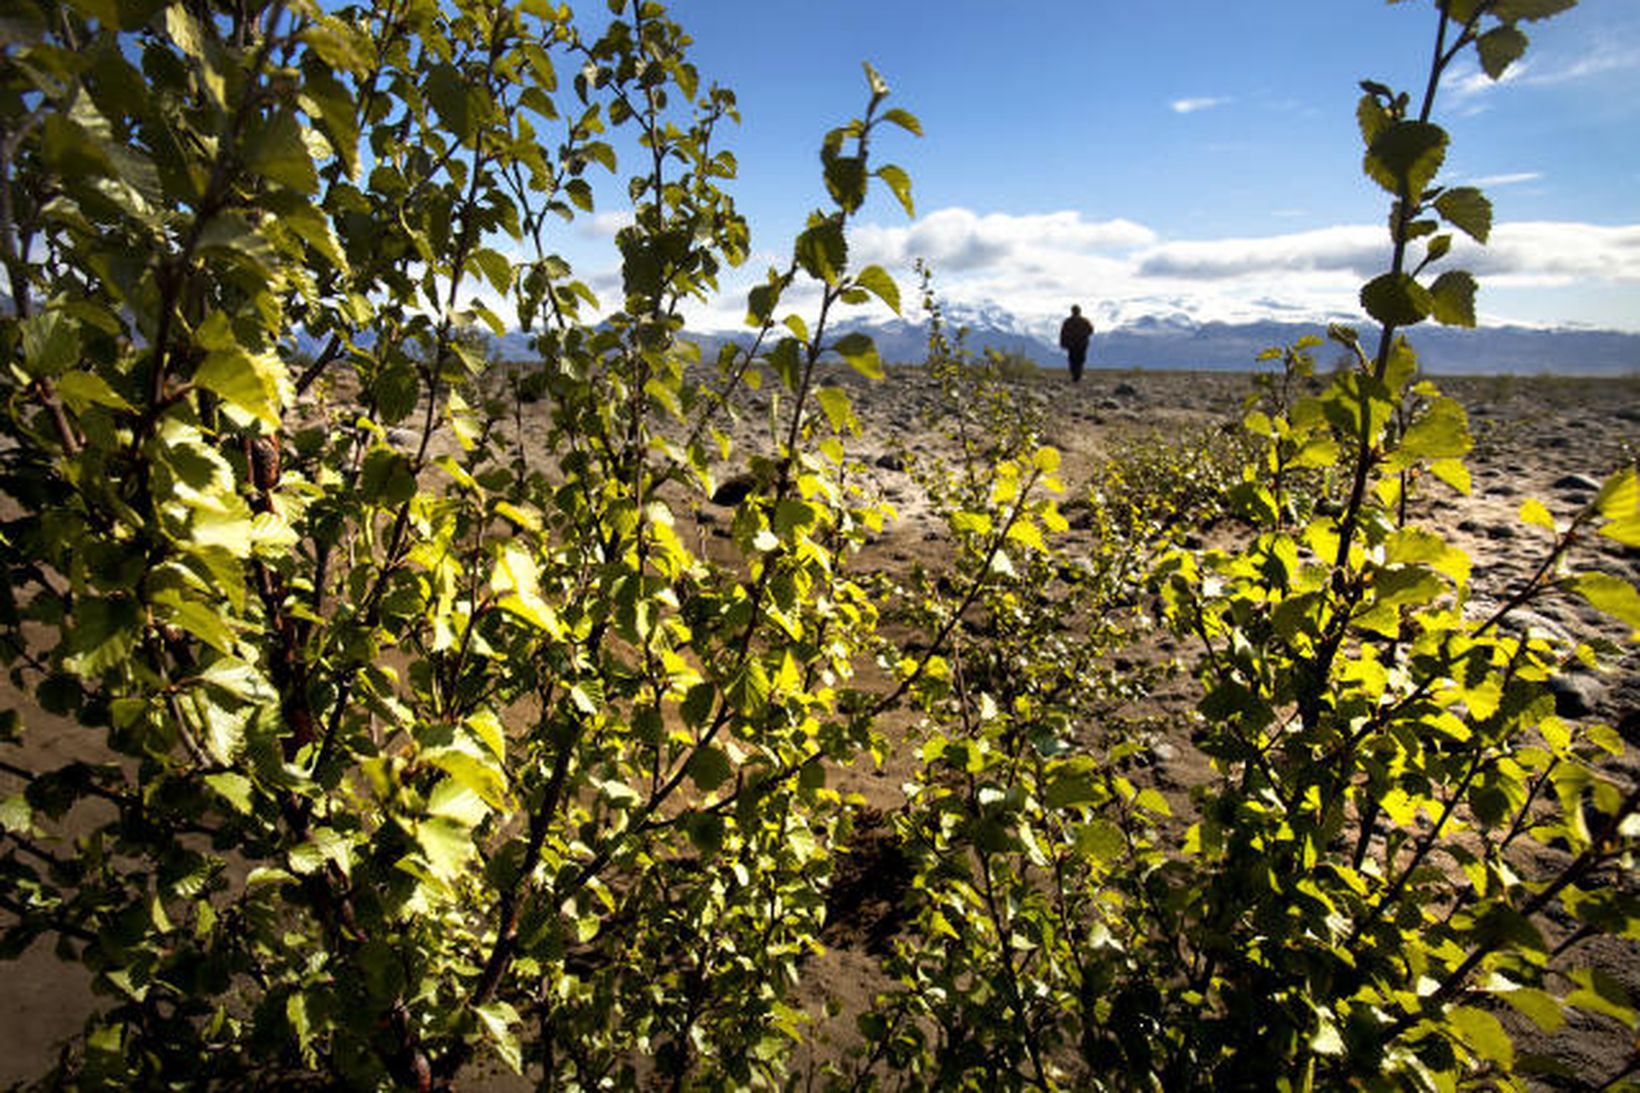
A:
1074, 332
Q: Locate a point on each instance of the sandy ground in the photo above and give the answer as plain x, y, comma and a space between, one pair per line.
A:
1547, 438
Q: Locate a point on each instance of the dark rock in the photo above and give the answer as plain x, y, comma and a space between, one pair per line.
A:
1576, 482
1576, 695
1557, 440
1126, 390
733, 491
1500, 531
891, 461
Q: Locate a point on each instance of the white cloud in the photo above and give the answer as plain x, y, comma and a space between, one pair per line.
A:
604, 225
958, 239
1555, 252
1190, 106
1357, 250
1035, 267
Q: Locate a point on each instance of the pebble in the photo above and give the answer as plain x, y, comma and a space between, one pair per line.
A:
1576, 482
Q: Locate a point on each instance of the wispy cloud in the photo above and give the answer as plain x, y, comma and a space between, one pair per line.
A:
1608, 57
1190, 106
1469, 83
1515, 178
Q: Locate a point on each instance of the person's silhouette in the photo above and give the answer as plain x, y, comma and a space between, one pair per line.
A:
1074, 333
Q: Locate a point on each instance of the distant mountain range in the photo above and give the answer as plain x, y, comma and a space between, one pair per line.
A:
1178, 342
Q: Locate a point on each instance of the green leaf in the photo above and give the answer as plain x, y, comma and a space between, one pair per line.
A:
516, 578
839, 410
1613, 595
1499, 48
822, 251
1619, 501
1543, 1008
1468, 210
1372, 118
252, 382
51, 343
276, 151
1100, 840
15, 814
861, 353
447, 93
1453, 472
877, 281
480, 774
1484, 1034
846, 181
706, 831
1441, 432
497, 270
1453, 297
499, 1020
1395, 299
1405, 157
103, 635
234, 788
878, 85
1530, 10
1151, 800
905, 120
1072, 784
709, 768
1533, 511
82, 390
446, 844
899, 182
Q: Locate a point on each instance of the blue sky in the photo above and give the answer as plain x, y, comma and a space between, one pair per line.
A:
1182, 158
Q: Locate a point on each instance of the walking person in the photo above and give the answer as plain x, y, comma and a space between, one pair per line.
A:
1074, 333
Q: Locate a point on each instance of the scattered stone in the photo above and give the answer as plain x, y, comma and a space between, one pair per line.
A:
1126, 390
1557, 440
1576, 695
1628, 413
1500, 531
891, 461
1577, 482
1165, 752
1109, 404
